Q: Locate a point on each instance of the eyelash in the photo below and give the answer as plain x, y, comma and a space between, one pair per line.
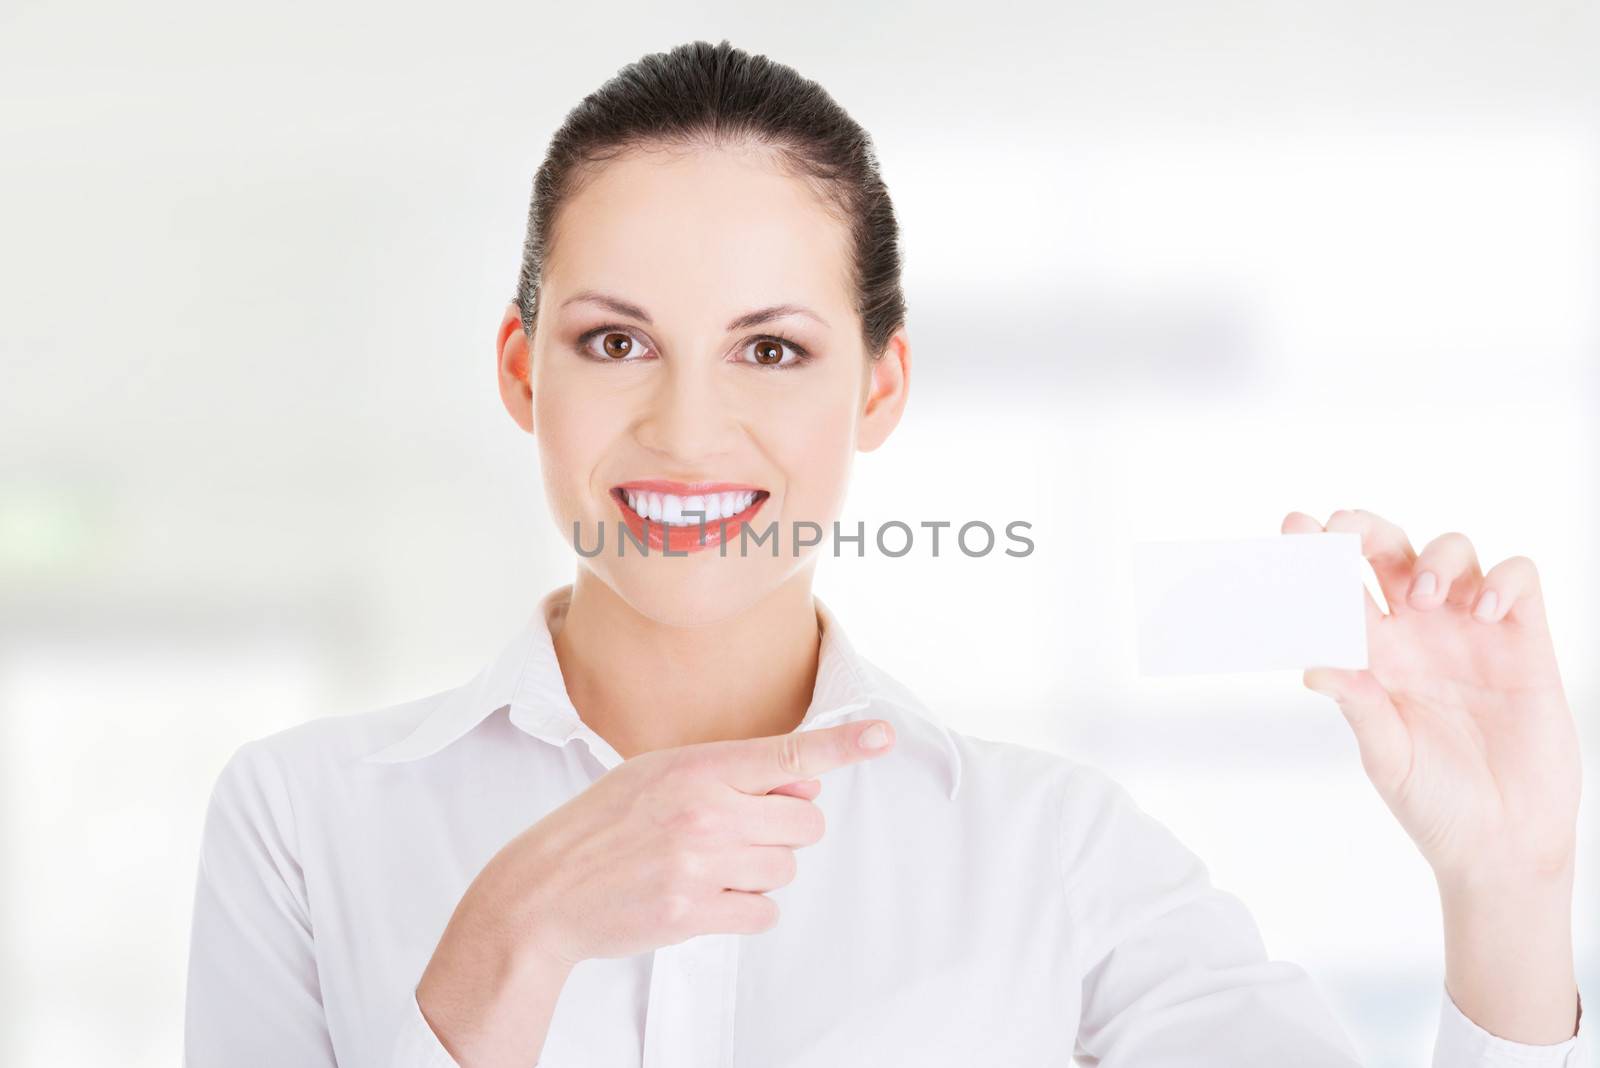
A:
802, 355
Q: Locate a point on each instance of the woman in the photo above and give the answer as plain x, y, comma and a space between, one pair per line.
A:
709, 324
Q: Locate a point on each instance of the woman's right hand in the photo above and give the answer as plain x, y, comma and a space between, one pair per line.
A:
665, 846
674, 843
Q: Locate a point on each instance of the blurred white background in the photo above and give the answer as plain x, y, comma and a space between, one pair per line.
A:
1174, 270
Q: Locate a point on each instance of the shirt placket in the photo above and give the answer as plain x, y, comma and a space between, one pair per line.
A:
689, 1018
689, 1012
694, 985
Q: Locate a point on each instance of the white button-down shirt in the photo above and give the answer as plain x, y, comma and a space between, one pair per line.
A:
973, 902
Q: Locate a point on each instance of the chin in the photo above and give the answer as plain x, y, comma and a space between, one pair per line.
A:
690, 591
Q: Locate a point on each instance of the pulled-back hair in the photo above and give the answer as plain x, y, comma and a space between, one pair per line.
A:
704, 95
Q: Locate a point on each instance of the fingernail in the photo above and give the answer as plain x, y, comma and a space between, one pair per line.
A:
1487, 605
1424, 586
874, 737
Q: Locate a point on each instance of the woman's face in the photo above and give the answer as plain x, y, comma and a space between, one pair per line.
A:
659, 359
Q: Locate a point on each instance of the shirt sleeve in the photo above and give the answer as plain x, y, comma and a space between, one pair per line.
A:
1175, 972
253, 998
416, 1046
1460, 1041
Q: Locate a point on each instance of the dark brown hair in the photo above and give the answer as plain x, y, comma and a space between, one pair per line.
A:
702, 95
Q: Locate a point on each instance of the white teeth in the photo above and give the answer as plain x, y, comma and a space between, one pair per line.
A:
685, 511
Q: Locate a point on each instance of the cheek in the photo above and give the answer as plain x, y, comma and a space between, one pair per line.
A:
571, 440
818, 451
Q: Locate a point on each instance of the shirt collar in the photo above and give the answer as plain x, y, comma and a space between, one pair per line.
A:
525, 678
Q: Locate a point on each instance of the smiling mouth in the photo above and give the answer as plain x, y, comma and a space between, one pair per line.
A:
689, 510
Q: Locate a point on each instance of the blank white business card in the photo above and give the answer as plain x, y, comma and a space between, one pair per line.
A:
1251, 604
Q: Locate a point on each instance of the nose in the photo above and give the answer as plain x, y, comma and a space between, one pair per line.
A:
687, 416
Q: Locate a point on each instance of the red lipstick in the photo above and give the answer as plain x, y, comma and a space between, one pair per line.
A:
694, 536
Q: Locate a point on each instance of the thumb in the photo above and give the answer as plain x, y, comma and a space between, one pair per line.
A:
1381, 734
804, 789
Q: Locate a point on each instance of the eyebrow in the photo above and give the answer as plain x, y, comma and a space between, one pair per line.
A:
749, 319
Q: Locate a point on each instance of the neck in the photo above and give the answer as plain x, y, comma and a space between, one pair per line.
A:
643, 685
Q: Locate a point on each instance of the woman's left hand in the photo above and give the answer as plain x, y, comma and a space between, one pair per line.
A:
1460, 715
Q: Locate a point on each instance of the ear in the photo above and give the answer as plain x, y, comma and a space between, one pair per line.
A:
888, 380
513, 367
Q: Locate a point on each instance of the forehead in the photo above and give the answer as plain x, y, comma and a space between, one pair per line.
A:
719, 229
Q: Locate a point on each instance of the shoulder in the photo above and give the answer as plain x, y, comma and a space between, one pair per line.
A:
264, 775
1117, 866
1094, 816
1105, 835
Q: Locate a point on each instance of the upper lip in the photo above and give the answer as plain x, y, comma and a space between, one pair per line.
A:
686, 489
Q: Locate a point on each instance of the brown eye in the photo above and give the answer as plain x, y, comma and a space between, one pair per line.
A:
773, 351
617, 345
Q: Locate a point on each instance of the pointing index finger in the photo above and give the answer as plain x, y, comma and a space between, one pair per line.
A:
759, 765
